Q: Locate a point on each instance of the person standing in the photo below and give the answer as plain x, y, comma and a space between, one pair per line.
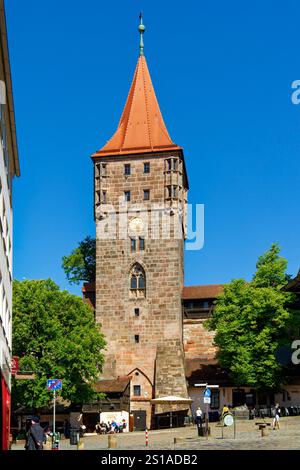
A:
276, 417
35, 436
199, 416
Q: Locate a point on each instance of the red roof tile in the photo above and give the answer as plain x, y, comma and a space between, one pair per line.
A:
141, 127
202, 292
112, 386
88, 287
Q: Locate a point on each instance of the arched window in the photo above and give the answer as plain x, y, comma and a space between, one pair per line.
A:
137, 280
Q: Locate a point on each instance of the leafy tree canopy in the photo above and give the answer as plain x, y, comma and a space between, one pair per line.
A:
251, 321
80, 265
55, 336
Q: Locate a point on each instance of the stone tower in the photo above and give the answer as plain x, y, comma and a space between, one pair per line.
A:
140, 211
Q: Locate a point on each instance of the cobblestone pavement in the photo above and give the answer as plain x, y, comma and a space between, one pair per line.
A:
247, 437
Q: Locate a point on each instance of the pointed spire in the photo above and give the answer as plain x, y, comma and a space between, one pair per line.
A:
141, 30
141, 127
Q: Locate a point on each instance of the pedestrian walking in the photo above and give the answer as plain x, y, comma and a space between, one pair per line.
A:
275, 424
35, 435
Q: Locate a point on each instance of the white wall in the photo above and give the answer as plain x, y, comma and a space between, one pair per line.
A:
5, 270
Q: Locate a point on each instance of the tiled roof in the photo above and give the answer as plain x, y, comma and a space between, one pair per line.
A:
202, 292
112, 386
201, 371
88, 287
141, 127
294, 284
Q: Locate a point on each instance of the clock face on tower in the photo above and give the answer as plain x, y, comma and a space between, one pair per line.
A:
136, 226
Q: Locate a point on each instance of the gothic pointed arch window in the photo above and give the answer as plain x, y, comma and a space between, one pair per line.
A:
137, 281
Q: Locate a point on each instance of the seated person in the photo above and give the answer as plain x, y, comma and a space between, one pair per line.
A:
225, 410
98, 428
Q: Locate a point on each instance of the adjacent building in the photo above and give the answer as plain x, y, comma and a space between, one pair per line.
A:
9, 167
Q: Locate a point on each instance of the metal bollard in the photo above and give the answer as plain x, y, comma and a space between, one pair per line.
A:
146, 437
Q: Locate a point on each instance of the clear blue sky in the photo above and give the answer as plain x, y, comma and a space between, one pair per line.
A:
222, 73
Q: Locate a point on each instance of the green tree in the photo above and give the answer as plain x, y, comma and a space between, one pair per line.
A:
251, 321
55, 336
80, 265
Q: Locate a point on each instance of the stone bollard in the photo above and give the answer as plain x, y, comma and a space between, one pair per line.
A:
179, 439
263, 431
112, 441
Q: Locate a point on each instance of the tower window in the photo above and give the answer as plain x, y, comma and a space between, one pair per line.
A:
133, 283
172, 164
137, 390
104, 197
97, 170
98, 201
137, 312
127, 196
137, 338
137, 279
147, 167
146, 194
127, 169
103, 169
172, 191
142, 283
133, 245
142, 243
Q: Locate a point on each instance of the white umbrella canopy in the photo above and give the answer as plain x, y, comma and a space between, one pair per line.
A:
171, 400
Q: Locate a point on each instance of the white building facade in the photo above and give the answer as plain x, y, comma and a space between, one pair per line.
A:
9, 167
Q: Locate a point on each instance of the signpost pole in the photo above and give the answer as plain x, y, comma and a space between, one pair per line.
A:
206, 421
54, 405
234, 427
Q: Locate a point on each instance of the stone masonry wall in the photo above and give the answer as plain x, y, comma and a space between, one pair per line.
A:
160, 316
197, 340
170, 373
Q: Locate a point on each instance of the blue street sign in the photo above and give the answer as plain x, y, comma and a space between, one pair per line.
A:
207, 392
54, 384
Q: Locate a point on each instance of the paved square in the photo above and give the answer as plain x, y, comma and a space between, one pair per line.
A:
248, 437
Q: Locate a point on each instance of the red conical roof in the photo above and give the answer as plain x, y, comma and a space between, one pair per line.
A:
141, 127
